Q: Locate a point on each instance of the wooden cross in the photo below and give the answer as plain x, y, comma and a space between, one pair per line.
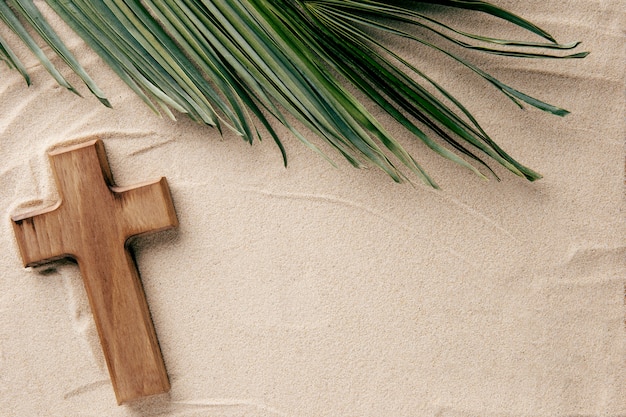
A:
92, 222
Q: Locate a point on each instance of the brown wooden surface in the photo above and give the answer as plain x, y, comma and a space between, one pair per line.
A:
92, 223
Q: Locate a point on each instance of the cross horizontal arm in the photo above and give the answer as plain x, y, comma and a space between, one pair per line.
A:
146, 208
36, 239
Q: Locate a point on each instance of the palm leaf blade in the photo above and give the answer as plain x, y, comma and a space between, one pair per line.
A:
234, 62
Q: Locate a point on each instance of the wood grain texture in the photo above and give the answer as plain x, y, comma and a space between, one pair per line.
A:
92, 222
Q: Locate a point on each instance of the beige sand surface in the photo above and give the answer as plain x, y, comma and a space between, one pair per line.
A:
313, 291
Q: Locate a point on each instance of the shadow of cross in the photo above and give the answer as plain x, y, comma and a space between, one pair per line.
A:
92, 222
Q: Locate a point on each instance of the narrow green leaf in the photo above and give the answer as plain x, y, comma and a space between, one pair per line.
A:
12, 60
7, 16
37, 21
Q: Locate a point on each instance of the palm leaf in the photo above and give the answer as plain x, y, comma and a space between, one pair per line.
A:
234, 63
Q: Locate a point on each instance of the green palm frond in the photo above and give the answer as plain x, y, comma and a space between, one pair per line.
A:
234, 63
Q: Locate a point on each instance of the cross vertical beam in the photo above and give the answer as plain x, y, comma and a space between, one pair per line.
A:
92, 223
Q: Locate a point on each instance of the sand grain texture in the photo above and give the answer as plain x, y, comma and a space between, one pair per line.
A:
320, 292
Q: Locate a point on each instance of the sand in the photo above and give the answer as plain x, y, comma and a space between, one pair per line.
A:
314, 291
